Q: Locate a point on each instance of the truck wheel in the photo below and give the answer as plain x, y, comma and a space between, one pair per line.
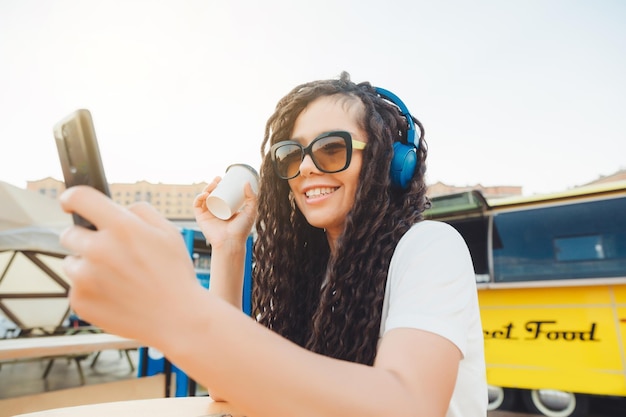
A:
501, 398
554, 403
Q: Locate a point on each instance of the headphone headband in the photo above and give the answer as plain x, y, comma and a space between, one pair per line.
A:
389, 96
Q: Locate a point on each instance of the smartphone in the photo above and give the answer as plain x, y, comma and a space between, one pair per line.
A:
79, 154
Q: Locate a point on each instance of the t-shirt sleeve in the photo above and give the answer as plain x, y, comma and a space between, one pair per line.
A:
431, 283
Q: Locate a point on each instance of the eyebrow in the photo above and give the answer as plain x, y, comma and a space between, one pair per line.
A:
300, 139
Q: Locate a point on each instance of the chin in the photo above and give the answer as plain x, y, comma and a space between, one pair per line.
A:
316, 223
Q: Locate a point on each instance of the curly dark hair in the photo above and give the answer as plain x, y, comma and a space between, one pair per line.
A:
331, 303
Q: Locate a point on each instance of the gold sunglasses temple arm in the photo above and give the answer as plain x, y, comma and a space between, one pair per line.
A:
357, 144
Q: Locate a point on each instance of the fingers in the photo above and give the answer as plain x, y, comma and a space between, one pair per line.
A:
248, 191
150, 215
250, 204
126, 267
74, 267
107, 216
94, 285
200, 199
82, 294
77, 239
94, 206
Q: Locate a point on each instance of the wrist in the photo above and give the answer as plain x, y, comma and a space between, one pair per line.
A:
229, 247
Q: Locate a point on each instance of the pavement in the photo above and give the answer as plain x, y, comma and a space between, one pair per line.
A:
26, 377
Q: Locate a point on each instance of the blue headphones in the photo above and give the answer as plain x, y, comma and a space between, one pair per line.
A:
404, 161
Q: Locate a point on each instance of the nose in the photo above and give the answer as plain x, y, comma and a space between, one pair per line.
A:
307, 166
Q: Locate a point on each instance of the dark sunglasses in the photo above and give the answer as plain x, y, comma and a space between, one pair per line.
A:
331, 152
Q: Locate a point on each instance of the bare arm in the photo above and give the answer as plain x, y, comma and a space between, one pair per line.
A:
265, 375
228, 244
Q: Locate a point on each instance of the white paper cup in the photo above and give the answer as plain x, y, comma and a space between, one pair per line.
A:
228, 196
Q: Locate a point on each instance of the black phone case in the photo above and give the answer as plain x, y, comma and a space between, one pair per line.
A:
79, 154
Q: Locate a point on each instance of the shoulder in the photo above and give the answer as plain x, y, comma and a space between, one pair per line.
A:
432, 226
431, 234
431, 251
431, 283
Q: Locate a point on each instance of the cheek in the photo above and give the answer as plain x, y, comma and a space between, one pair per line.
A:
354, 184
294, 184
351, 185
354, 173
351, 196
292, 194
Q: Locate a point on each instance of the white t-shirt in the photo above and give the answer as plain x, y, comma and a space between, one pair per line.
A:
431, 286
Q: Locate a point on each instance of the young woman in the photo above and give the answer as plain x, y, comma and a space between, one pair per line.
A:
361, 307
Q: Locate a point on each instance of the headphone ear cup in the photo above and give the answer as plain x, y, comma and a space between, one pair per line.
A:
403, 164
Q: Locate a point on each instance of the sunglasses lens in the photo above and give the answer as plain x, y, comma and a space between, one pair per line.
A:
287, 160
330, 154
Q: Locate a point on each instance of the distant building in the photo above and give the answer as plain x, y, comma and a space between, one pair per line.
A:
440, 188
616, 176
174, 201
47, 186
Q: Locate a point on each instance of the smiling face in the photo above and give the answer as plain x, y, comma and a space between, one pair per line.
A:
325, 199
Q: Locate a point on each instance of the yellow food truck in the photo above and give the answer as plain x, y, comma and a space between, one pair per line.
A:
551, 277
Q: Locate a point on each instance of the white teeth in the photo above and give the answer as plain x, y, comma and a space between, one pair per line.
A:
316, 192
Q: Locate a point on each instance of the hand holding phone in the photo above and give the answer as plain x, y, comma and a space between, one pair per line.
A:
79, 154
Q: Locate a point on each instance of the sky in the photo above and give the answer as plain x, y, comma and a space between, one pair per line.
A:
528, 93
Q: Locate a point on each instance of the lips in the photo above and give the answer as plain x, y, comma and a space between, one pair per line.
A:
319, 191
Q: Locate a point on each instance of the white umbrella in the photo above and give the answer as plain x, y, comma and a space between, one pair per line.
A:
33, 288
20, 207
